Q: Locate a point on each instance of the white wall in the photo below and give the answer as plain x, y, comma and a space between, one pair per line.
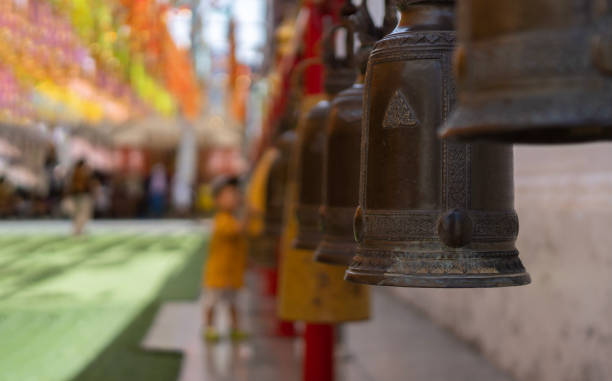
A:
559, 327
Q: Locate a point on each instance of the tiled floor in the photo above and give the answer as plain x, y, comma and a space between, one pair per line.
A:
398, 344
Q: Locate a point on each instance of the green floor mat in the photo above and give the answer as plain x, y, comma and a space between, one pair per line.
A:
78, 308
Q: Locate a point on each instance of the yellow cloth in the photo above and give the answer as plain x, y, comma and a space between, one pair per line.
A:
227, 254
310, 291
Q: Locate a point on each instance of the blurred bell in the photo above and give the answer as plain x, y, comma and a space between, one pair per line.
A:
262, 247
533, 71
343, 147
339, 75
432, 213
277, 184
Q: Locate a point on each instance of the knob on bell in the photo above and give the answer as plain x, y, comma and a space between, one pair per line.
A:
533, 71
433, 213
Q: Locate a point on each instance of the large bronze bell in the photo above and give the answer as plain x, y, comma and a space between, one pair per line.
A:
535, 71
432, 213
342, 150
339, 75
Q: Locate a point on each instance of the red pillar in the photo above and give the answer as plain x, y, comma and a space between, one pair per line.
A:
319, 338
283, 328
319, 352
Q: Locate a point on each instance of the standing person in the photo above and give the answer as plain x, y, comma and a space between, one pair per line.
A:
224, 270
80, 186
158, 187
7, 199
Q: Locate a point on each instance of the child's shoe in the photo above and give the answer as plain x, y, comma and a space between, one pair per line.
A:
211, 334
238, 335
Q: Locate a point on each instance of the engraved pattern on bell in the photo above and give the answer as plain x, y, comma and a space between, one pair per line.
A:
433, 213
339, 75
310, 176
341, 177
277, 184
533, 71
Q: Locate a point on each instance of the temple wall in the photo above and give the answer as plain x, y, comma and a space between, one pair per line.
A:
559, 327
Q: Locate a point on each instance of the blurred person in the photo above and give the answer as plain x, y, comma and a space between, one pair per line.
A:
205, 202
158, 189
23, 203
102, 196
224, 270
119, 200
182, 198
7, 199
55, 184
80, 187
134, 192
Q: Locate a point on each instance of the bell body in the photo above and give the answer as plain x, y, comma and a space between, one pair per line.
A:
262, 247
277, 185
533, 71
341, 177
432, 213
310, 175
316, 292
310, 291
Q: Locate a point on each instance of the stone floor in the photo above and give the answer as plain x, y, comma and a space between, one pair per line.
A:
399, 343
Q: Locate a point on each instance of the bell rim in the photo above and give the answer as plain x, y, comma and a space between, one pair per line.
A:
335, 252
553, 120
309, 242
437, 281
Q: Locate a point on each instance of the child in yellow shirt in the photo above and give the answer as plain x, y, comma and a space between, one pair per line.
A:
224, 270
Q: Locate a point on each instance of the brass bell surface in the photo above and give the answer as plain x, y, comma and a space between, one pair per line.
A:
310, 291
341, 177
310, 148
261, 247
277, 185
433, 213
343, 147
338, 76
533, 71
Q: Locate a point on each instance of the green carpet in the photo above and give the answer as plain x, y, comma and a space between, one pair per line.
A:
77, 308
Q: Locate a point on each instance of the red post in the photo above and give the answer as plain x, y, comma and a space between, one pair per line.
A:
283, 328
319, 352
319, 338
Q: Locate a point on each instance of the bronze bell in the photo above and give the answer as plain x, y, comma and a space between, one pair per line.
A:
338, 76
342, 150
277, 185
533, 71
433, 213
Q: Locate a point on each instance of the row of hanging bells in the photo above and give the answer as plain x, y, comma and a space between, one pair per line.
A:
439, 212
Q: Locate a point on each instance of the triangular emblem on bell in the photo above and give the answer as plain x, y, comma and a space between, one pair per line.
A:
533, 71
399, 113
432, 213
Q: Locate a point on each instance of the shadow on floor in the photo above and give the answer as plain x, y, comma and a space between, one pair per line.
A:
123, 358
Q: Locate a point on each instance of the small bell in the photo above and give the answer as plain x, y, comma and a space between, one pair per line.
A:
277, 185
432, 213
310, 291
342, 150
262, 247
533, 71
339, 75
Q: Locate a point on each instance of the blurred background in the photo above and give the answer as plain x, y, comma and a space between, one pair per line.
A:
159, 97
